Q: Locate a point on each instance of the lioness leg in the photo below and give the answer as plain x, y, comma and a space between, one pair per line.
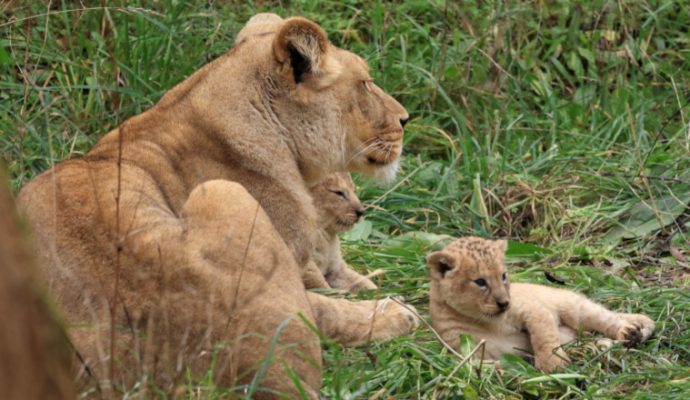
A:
352, 323
313, 277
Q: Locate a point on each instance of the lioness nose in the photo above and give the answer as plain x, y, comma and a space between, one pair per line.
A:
359, 211
403, 120
502, 305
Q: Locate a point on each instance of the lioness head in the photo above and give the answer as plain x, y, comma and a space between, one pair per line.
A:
322, 99
471, 276
337, 203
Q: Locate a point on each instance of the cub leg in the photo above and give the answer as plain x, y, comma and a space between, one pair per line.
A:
585, 314
343, 277
542, 327
313, 277
352, 323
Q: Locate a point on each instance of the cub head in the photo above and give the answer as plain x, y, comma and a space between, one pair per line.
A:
470, 276
323, 98
337, 203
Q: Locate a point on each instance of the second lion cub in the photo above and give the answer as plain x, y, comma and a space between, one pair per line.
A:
338, 210
470, 293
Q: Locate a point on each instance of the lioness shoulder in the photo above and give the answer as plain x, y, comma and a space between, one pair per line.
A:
471, 293
338, 209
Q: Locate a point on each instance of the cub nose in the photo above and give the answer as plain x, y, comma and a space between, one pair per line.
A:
403, 120
359, 211
503, 305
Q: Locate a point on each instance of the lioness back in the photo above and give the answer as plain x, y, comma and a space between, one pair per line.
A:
471, 293
338, 209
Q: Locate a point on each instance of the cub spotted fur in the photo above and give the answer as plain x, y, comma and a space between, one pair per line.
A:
470, 293
338, 209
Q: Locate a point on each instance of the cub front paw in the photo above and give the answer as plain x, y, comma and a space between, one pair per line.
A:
361, 283
391, 319
551, 362
635, 329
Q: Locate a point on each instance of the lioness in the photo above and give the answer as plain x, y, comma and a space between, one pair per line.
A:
338, 210
188, 225
470, 293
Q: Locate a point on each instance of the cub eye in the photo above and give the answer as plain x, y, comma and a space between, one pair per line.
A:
504, 277
480, 282
340, 193
367, 84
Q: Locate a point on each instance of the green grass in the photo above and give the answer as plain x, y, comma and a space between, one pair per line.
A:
560, 124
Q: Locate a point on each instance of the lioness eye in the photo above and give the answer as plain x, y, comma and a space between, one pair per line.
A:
367, 85
504, 277
480, 282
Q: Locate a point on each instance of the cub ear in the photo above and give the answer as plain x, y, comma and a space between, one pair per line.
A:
301, 47
440, 263
501, 245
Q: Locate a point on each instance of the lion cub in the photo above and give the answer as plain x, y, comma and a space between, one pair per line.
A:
338, 210
470, 293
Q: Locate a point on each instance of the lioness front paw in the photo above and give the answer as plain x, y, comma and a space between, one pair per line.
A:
391, 319
635, 329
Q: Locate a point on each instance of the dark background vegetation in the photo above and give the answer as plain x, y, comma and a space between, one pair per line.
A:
561, 125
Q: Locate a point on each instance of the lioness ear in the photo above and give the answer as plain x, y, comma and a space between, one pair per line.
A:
440, 263
301, 46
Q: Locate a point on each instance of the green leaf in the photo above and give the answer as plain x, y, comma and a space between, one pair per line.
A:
576, 65
470, 393
586, 54
466, 344
360, 231
649, 216
553, 377
5, 58
430, 240
450, 73
517, 249
429, 175
682, 238
515, 364
477, 203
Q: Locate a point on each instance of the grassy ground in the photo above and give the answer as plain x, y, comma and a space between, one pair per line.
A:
563, 126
